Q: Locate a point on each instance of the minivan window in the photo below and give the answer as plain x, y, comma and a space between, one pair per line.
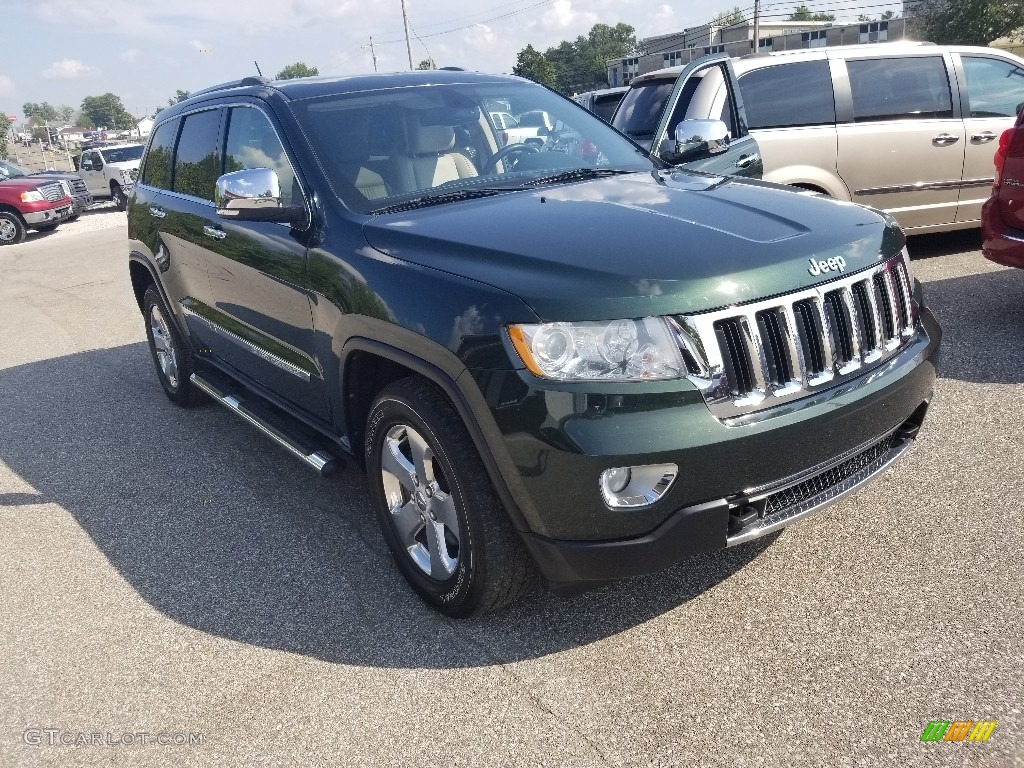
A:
196, 163
252, 143
789, 95
640, 110
157, 171
995, 88
900, 88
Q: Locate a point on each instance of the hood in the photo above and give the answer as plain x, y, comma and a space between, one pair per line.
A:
640, 244
21, 184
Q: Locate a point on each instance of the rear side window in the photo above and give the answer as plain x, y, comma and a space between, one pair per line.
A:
157, 170
196, 163
995, 87
252, 143
789, 95
604, 106
900, 89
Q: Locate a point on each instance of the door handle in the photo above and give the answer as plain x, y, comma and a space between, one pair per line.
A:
945, 139
982, 138
746, 161
215, 232
158, 212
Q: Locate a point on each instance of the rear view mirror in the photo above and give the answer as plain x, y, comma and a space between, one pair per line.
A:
254, 195
694, 140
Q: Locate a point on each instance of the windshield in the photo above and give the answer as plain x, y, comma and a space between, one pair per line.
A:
385, 147
638, 114
9, 171
122, 154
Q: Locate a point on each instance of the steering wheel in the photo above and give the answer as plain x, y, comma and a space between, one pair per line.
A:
507, 151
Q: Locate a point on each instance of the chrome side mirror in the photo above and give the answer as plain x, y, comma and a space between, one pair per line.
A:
254, 195
695, 140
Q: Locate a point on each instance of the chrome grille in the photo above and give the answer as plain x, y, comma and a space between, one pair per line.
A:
78, 186
756, 356
133, 173
52, 192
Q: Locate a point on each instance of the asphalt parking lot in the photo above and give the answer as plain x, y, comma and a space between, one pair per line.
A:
172, 572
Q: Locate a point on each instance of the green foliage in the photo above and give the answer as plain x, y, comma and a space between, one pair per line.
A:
531, 64
580, 64
107, 110
728, 18
66, 113
41, 112
426, 64
178, 97
298, 69
967, 22
197, 178
5, 129
803, 13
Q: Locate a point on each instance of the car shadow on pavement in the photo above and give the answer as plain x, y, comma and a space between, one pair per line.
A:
943, 243
224, 532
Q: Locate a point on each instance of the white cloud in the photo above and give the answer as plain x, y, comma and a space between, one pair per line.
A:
199, 45
7, 86
130, 55
68, 69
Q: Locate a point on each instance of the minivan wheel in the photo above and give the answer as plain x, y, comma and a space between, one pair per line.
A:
171, 357
442, 521
12, 230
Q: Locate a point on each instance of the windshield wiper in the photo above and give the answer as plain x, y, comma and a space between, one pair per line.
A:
575, 174
425, 201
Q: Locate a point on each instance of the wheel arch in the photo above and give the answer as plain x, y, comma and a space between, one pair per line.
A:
11, 209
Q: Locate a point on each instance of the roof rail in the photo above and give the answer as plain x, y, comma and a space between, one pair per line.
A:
250, 80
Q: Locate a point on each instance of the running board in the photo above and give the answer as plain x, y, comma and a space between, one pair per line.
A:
320, 460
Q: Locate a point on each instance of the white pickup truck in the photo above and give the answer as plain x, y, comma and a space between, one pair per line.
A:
524, 129
111, 171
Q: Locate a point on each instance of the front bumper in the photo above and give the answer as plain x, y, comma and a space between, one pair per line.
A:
49, 216
736, 482
1000, 243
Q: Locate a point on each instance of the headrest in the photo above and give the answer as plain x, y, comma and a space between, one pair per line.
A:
431, 139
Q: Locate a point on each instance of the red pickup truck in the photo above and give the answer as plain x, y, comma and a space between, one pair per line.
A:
31, 203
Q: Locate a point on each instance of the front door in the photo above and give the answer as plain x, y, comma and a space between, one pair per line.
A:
90, 168
902, 148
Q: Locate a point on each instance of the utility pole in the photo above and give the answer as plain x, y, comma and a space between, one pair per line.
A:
373, 54
408, 45
757, 26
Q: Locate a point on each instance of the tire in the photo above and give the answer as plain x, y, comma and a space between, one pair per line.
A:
442, 521
12, 229
172, 358
118, 196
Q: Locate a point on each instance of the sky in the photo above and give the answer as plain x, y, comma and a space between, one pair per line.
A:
61, 51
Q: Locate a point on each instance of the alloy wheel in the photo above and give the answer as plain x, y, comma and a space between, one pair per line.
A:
163, 346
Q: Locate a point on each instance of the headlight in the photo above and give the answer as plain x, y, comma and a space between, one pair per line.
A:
615, 350
32, 196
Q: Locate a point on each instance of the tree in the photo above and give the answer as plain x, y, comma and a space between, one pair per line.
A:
888, 15
728, 18
803, 13
107, 110
298, 69
582, 64
39, 113
967, 22
426, 64
531, 64
178, 97
5, 129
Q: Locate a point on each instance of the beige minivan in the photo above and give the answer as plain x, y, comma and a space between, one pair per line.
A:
906, 127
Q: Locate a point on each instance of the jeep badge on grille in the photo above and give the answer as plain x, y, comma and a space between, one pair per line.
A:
837, 263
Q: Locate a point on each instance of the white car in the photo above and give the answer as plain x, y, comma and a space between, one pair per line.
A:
111, 171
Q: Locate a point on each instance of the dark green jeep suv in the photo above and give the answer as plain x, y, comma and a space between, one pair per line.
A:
554, 356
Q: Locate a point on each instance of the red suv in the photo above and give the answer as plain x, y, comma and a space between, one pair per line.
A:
1002, 216
31, 203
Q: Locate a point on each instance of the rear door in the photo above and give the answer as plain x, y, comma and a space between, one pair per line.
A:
696, 92
901, 137
991, 95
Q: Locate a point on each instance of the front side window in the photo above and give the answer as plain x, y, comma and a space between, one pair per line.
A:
900, 89
640, 110
157, 169
253, 143
398, 146
196, 163
995, 88
789, 95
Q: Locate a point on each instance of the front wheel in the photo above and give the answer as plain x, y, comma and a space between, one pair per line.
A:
119, 197
446, 529
12, 229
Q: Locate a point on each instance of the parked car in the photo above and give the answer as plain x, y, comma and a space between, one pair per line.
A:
907, 128
32, 203
583, 362
603, 102
80, 196
1002, 216
110, 171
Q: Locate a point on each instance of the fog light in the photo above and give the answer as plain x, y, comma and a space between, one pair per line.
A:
635, 487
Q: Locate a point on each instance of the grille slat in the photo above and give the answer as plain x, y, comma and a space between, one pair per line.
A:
52, 192
768, 352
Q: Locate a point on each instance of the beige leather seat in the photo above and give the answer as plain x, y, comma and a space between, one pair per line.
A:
432, 159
